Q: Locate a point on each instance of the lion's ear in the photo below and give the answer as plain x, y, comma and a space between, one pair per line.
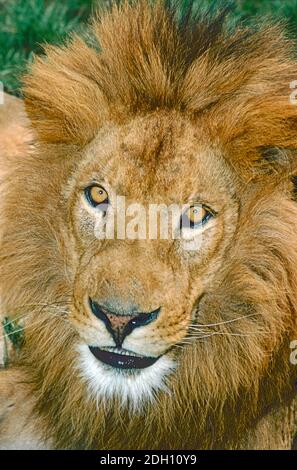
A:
63, 103
278, 160
264, 138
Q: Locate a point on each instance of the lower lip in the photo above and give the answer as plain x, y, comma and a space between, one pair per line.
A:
121, 361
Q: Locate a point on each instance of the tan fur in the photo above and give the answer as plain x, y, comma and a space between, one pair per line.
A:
161, 114
18, 429
14, 136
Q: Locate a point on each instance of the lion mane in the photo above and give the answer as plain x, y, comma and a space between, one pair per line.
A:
234, 85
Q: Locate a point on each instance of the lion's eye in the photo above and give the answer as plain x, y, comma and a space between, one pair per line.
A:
195, 216
96, 195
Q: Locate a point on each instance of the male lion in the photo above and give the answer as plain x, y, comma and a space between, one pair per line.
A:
153, 342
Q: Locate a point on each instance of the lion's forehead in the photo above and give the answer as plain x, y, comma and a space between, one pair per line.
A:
159, 157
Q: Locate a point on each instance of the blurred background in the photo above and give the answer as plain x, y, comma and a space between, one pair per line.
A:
26, 24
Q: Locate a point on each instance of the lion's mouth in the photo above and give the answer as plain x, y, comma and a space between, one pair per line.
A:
121, 358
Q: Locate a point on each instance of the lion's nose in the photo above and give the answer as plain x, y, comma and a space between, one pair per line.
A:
119, 325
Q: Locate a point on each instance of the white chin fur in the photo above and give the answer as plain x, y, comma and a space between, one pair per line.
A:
132, 389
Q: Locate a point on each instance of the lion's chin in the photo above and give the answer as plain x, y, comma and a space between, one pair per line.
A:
133, 387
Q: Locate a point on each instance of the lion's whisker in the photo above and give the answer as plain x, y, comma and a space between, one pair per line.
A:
226, 321
6, 335
193, 337
228, 334
60, 314
52, 304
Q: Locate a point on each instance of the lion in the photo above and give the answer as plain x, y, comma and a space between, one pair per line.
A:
153, 342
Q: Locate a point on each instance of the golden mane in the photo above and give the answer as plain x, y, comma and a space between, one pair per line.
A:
236, 86
238, 81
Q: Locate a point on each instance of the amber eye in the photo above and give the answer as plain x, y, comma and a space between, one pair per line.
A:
96, 196
195, 216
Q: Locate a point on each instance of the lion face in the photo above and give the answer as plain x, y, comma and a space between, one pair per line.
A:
134, 296
199, 316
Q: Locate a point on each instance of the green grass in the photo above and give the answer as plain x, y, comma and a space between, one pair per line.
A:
26, 24
14, 333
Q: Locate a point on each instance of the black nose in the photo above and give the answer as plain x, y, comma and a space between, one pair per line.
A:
119, 325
